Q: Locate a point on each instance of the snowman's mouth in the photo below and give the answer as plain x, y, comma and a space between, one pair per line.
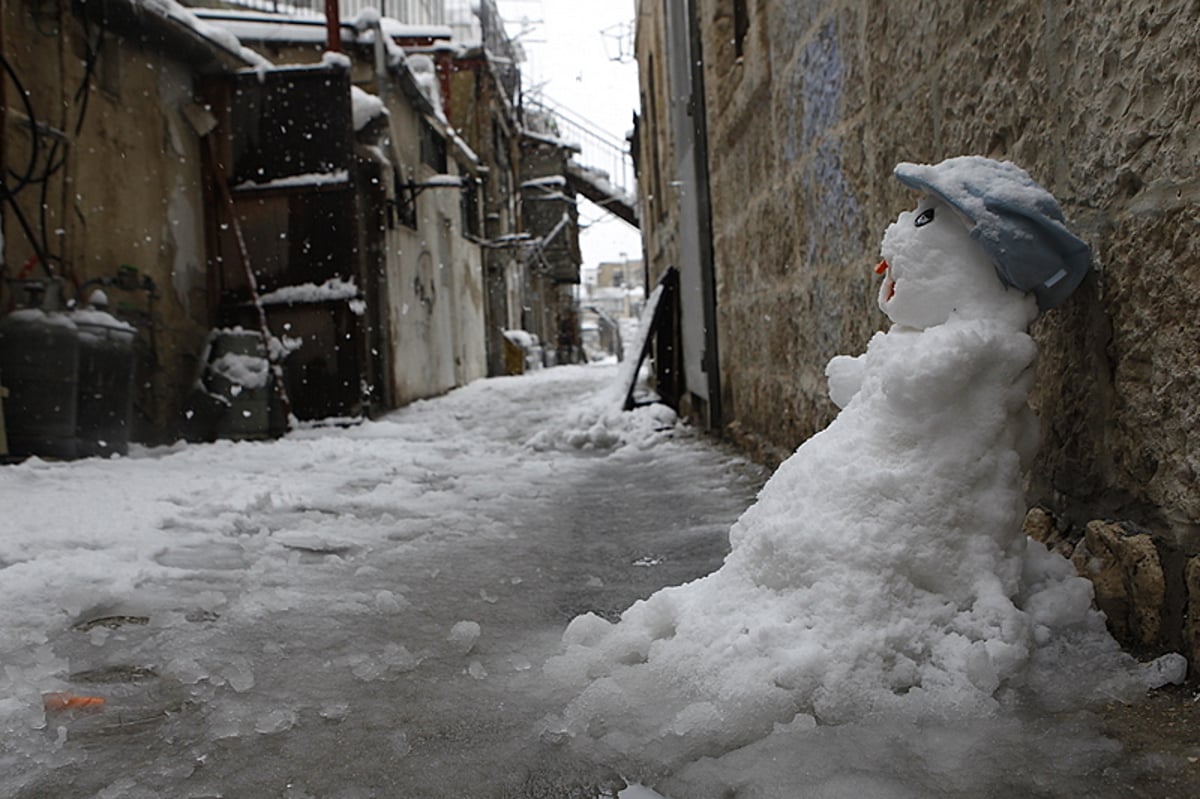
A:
889, 285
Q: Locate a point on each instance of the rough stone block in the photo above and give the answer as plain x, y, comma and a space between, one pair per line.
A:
1191, 624
1041, 526
1125, 570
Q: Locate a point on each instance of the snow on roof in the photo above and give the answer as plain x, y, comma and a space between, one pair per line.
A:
601, 181
462, 145
442, 180
187, 18
401, 30
424, 72
547, 138
548, 181
264, 27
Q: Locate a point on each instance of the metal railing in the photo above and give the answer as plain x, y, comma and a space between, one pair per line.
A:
469, 21
599, 150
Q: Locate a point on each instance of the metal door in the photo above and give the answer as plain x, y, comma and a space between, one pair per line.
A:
690, 183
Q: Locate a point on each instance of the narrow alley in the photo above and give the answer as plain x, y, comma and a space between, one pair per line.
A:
534, 399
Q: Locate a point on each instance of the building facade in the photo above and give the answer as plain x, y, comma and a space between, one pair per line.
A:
244, 196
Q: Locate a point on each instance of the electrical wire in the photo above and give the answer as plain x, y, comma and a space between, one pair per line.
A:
24, 180
43, 205
90, 56
32, 237
39, 240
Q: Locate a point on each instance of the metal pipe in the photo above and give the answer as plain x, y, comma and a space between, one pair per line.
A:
333, 27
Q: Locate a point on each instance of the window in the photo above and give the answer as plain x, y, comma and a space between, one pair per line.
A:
470, 206
276, 135
403, 207
433, 148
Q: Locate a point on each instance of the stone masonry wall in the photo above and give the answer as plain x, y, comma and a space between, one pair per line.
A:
1099, 101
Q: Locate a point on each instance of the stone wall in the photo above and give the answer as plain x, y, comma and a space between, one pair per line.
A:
1097, 101
657, 207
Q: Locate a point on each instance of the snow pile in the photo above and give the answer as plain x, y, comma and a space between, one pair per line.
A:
98, 321
247, 371
601, 422
364, 107
882, 574
600, 426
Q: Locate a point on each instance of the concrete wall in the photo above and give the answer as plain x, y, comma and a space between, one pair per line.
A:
434, 276
482, 115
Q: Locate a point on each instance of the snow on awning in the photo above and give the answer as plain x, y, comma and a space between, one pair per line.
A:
331, 290
336, 178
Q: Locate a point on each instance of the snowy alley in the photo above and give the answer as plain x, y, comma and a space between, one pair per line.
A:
366, 612
345, 612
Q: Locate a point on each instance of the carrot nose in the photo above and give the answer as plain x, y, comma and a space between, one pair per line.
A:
883, 267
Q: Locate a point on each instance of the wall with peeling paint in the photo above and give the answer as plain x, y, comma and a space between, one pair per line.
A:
126, 197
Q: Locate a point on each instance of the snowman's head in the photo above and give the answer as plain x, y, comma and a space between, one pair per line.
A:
933, 269
1016, 222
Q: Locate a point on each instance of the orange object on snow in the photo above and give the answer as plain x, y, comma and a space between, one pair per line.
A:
882, 267
65, 701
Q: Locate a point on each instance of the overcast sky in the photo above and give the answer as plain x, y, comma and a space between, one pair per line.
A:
570, 47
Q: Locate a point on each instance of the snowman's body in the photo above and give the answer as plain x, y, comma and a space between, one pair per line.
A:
882, 568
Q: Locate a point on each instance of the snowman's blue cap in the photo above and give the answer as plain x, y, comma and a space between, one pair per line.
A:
1016, 221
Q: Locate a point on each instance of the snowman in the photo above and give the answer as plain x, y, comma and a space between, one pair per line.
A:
882, 569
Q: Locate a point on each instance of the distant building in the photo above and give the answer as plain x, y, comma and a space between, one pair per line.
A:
552, 258
611, 299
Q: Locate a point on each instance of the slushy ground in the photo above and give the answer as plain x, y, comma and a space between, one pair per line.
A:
363, 611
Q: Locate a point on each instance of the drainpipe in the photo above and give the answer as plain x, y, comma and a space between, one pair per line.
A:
333, 27
708, 283
3, 138
381, 60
